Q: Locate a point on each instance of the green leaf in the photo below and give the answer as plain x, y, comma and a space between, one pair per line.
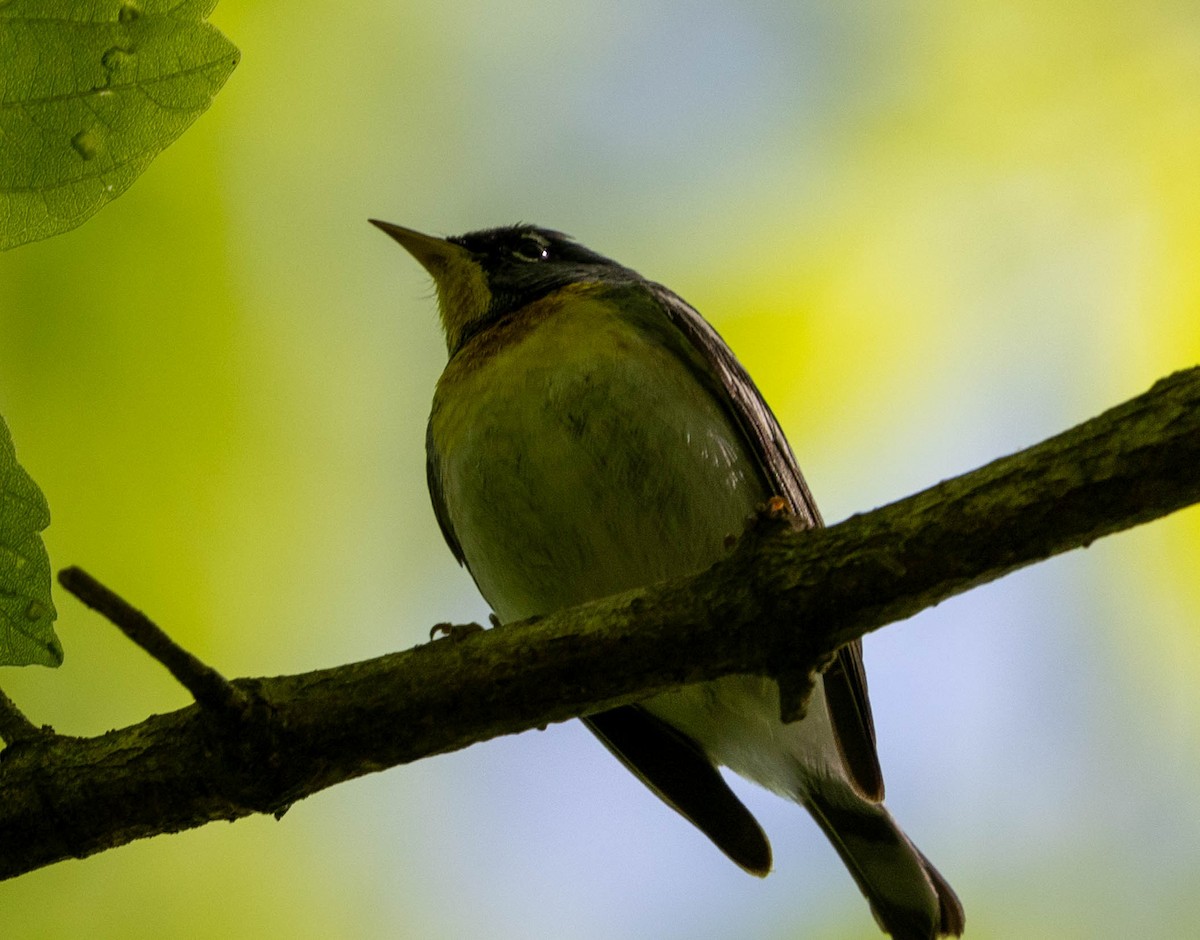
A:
26, 611
90, 92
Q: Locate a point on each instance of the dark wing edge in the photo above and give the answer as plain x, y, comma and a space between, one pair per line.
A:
433, 476
682, 776
845, 681
750, 412
849, 708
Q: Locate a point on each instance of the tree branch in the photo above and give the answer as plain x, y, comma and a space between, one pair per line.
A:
779, 604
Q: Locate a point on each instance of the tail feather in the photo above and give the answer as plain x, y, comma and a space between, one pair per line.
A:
909, 898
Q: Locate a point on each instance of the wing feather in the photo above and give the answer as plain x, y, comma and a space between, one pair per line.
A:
671, 765
846, 679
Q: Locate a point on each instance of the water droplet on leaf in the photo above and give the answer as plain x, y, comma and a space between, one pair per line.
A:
129, 13
117, 58
86, 144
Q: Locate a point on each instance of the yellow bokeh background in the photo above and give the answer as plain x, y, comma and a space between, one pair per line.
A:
935, 233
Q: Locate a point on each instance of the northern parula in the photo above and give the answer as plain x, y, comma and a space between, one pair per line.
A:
590, 434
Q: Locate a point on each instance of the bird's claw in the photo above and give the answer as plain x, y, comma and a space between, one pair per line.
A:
457, 632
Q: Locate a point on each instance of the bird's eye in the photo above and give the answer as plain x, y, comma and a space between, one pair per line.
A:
531, 248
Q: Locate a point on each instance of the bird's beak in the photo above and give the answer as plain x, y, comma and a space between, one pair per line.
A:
463, 293
436, 255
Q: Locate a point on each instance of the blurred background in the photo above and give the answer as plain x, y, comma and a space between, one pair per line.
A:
935, 233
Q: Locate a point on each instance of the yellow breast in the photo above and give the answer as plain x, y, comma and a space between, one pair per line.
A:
579, 456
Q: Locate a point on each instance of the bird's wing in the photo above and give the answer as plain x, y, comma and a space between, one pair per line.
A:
671, 765
433, 476
845, 679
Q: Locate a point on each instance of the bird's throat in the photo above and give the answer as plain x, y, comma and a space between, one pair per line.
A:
463, 297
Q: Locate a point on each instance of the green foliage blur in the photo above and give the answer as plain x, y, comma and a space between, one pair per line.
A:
934, 233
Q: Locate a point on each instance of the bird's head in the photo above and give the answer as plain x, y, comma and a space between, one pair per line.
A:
486, 275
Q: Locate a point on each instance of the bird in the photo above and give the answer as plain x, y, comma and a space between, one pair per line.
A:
591, 433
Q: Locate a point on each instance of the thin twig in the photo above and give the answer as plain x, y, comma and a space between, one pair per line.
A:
209, 688
14, 726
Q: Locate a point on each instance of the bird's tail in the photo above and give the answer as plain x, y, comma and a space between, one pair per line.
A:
909, 898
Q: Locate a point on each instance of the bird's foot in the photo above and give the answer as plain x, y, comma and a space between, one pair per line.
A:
457, 632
